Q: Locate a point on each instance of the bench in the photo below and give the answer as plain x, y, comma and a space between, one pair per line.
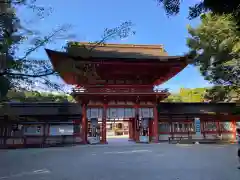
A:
177, 138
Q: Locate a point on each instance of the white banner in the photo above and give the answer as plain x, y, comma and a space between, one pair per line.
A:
120, 113
197, 123
146, 112
57, 130
94, 113
129, 113
113, 113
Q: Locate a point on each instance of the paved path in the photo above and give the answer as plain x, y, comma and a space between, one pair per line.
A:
121, 162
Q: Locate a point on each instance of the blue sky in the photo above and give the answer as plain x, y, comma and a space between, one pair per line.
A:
89, 18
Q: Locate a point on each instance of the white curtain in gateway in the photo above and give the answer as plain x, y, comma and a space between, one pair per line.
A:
129, 112
120, 113
94, 113
112, 113
146, 112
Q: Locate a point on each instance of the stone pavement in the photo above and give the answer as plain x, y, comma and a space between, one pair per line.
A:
122, 161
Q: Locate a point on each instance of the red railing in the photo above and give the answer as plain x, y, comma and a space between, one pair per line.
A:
116, 90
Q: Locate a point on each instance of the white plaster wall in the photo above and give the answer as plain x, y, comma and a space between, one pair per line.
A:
56, 130
163, 137
34, 140
225, 136
211, 136
33, 130
12, 141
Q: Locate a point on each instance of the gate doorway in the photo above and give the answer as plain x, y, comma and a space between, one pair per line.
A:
118, 120
120, 123
118, 131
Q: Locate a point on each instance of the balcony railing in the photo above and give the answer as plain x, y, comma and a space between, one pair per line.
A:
102, 90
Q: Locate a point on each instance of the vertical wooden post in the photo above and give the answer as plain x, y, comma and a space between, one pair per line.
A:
133, 122
44, 135
151, 130
136, 123
172, 126
234, 126
84, 123
219, 128
217, 123
203, 126
104, 124
155, 124
5, 121
130, 130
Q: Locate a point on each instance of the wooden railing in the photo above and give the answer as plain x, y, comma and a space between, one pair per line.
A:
116, 90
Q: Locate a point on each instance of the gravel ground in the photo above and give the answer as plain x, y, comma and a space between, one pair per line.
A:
119, 160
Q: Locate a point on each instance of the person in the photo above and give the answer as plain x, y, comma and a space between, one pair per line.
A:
238, 142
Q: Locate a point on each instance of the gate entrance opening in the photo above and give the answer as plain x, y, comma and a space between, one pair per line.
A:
129, 123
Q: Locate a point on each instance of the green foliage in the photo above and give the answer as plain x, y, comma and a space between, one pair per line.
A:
34, 96
215, 49
215, 44
23, 72
4, 82
236, 110
220, 7
188, 95
213, 94
192, 95
222, 94
173, 98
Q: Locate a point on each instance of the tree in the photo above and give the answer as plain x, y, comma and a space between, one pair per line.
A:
17, 72
23, 73
192, 95
173, 98
219, 7
215, 49
35, 96
188, 95
222, 94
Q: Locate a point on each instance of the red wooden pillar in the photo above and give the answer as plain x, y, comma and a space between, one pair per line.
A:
136, 123
203, 130
155, 124
219, 128
217, 123
171, 126
150, 130
130, 129
104, 124
234, 126
84, 123
133, 129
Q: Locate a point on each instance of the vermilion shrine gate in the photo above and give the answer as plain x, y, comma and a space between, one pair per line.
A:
116, 81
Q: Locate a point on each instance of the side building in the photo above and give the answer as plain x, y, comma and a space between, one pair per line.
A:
51, 124
39, 124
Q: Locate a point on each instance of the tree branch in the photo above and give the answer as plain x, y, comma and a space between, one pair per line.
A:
40, 44
31, 75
